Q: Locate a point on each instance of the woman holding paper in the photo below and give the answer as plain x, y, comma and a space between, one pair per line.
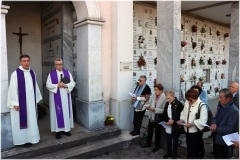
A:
172, 111
155, 116
188, 116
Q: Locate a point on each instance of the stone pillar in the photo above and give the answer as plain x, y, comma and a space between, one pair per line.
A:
122, 50
169, 47
6, 130
89, 104
233, 72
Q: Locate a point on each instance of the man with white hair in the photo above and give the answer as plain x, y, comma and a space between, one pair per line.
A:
60, 84
234, 90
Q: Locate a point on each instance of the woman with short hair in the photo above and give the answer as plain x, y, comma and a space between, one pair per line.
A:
155, 116
188, 117
171, 114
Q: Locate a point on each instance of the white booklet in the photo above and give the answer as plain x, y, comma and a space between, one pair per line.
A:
163, 123
231, 137
132, 94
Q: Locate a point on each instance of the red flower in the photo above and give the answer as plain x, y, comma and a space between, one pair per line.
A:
183, 43
194, 28
226, 35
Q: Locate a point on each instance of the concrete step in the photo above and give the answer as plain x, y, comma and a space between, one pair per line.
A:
51, 145
93, 149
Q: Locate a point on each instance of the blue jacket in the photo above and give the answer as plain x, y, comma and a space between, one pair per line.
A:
203, 97
228, 122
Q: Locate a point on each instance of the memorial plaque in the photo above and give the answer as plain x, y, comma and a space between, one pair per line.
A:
51, 50
49, 7
138, 14
52, 26
125, 66
149, 17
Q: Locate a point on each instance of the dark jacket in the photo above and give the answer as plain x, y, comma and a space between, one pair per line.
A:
228, 122
177, 108
235, 100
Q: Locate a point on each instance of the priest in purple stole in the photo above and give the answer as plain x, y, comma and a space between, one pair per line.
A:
60, 84
23, 96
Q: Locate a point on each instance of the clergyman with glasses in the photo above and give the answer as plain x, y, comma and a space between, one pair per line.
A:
141, 90
60, 84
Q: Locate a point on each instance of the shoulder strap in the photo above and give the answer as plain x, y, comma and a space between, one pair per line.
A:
200, 106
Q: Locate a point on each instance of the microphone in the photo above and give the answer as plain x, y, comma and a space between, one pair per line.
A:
61, 77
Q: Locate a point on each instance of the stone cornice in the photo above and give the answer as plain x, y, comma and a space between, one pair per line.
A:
4, 9
86, 21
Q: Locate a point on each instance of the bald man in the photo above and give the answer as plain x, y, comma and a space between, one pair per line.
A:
234, 90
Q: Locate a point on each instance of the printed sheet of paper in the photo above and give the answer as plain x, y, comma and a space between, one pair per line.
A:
231, 137
132, 94
164, 125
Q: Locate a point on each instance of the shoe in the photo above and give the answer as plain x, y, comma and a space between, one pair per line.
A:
166, 156
58, 135
67, 133
132, 132
211, 153
27, 145
155, 149
135, 133
145, 145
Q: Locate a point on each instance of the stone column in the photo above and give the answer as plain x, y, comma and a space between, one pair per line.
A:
122, 51
89, 104
168, 48
233, 72
6, 136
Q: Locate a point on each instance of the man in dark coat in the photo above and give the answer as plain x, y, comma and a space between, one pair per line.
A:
225, 122
234, 90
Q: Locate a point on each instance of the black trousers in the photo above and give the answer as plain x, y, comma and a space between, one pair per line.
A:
221, 151
151, 126
193, 145
138, 117
172, 142
201, 149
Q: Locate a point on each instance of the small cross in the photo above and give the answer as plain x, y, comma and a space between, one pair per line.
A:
20, 34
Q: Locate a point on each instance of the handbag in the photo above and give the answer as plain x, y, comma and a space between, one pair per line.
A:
158, 118
209, 121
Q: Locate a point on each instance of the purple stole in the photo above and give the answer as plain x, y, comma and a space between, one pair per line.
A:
57, 98
22, 96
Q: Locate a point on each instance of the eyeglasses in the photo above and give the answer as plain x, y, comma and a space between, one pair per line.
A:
139, 80
58, 64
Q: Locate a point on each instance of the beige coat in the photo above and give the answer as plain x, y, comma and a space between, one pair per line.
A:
159, 107
194, 109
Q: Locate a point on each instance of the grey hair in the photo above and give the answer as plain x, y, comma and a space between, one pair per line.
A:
57, 59
144, 77
226, 92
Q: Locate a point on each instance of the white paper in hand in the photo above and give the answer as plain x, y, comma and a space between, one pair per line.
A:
205, 125
231, 137
164, 125
183, 124
131, 94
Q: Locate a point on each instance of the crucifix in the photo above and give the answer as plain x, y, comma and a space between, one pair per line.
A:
20, 34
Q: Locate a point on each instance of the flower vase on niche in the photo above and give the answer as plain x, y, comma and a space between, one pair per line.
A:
141, 45
183, 44
183, 49
140, 41
155, 62
139, 22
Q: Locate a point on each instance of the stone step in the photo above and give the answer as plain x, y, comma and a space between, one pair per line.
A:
51, 145
93, 149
